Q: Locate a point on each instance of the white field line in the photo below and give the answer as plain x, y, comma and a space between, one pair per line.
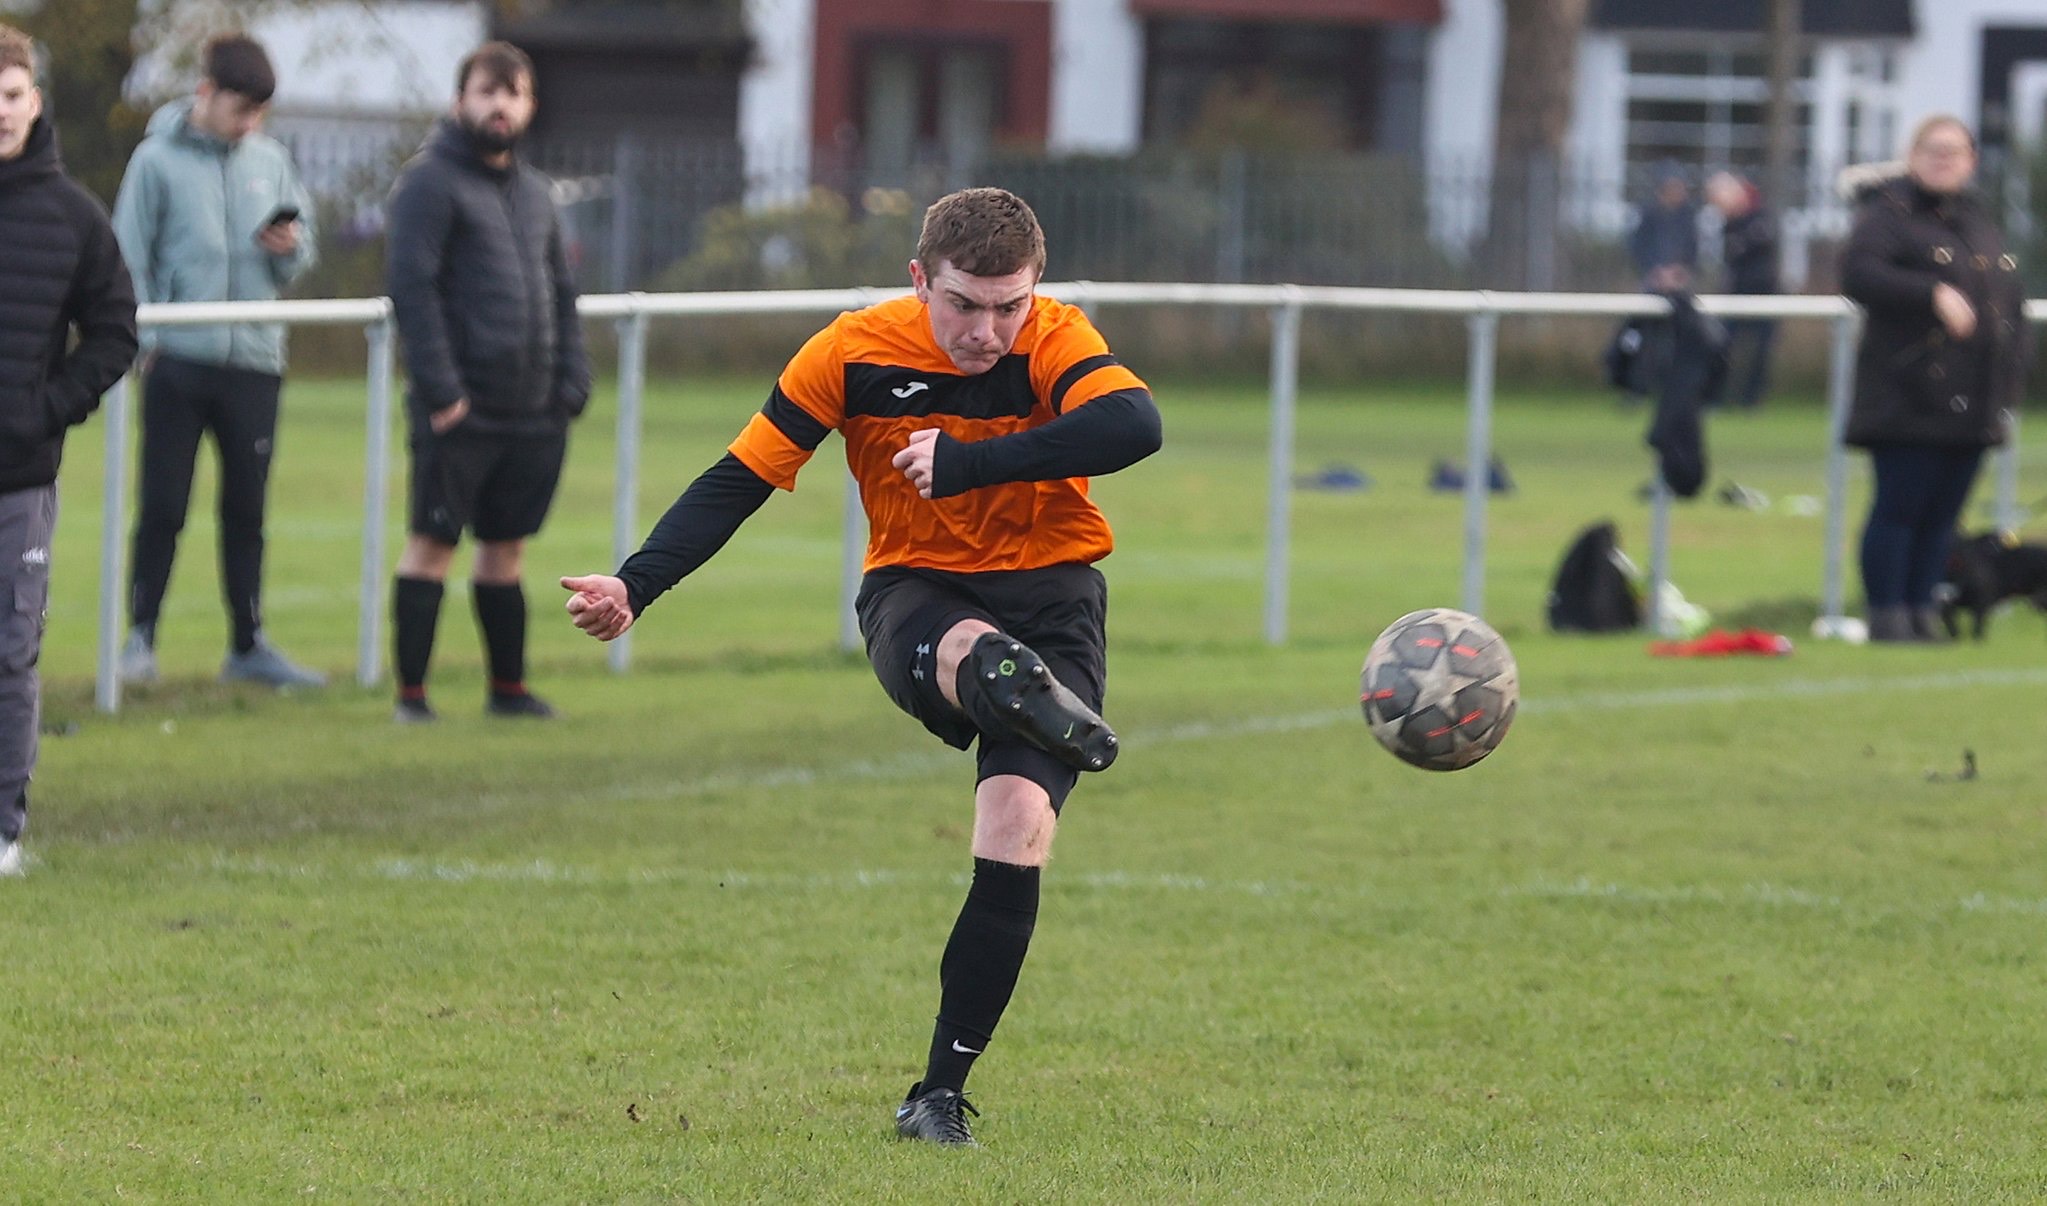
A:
914, 765
1749, 896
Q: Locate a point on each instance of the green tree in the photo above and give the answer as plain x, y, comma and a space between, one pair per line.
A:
91, 47
1538, 72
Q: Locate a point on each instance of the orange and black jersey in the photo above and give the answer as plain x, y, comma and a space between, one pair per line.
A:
1017, 445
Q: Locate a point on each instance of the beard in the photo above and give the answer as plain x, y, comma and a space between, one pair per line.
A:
490, 140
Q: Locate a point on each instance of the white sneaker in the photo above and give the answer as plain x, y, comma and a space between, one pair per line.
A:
138, 659
12, 864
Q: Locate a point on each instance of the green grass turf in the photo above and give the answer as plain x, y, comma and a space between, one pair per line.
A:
1701, 930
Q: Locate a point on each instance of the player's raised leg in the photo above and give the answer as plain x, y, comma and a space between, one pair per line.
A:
1006, 689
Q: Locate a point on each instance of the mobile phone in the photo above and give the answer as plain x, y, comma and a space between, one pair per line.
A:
285, 214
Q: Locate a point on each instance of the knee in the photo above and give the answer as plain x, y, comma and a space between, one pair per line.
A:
953, 646
1013, 821
158, 515
241, 509
425, 557
952, 650
499, 562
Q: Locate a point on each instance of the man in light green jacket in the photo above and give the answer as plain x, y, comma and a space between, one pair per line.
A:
211, 210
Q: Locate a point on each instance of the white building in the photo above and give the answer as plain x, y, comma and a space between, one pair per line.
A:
1658, 80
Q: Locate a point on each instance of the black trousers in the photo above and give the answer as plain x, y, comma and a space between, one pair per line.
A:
1919, 495
182, 401
1750, 344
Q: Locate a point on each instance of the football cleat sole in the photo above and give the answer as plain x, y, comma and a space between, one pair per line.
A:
1037, 707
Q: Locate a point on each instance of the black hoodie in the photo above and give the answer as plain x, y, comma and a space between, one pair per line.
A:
59, 269
481, 292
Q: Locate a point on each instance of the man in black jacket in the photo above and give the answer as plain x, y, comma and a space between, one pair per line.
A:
487, 313
61, 272
1748, 249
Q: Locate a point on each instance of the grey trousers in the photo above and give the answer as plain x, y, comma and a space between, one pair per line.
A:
27, 519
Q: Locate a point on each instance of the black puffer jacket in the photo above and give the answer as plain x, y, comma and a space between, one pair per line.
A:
481, 291
1914, 384
1748, 246
59, 268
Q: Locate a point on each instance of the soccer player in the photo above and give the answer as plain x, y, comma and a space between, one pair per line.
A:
973, 413
481, 293
67, 333
210, 209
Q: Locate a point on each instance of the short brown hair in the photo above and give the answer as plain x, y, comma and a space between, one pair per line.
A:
983, 231
237, 63
17, 49
500, 62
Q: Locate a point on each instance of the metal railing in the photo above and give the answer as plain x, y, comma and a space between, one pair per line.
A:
633, 312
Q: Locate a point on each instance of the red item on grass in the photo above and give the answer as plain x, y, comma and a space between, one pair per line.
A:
1721, 643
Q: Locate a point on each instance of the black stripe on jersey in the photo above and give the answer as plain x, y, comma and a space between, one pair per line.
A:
1071, 377
888, 391
793, 421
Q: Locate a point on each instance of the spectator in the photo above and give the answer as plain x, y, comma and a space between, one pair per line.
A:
1665, 245
212, 210
1942, 362
72, 282
487, 312
1748, 251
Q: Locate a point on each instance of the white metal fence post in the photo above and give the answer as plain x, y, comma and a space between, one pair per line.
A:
2009, 514
852, 556
632, 386
1478, 447
852, 538
376, 490
119, 404
1659, 550
1286, 379
1840, 395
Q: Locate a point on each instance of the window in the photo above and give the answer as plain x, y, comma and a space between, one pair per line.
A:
921, 97
1703, 107
1311, 81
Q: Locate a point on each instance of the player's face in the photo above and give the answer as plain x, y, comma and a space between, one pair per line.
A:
228, 116
974, 318
495, 110
20, 103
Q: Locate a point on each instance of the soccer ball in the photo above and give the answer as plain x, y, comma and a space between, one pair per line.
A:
1439, 688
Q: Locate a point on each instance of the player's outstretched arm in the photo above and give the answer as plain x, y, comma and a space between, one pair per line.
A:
598, 605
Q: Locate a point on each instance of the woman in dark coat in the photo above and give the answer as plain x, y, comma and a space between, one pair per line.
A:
1941, 366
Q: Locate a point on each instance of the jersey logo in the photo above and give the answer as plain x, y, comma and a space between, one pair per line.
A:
910, 390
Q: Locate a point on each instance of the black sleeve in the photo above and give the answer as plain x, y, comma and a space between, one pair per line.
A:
422, 215
1114, 431
1871, 274
697, 525
102, 307
571, 364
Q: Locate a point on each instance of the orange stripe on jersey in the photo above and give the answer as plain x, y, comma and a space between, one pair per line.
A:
877, 377
763, 448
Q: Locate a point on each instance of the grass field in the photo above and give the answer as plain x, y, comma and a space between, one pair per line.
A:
1701, 930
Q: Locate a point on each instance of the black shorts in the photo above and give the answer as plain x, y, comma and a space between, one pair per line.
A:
497, 486
1058, 611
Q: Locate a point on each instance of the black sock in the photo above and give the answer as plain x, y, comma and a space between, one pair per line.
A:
501, 613
980, 967
415, 612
